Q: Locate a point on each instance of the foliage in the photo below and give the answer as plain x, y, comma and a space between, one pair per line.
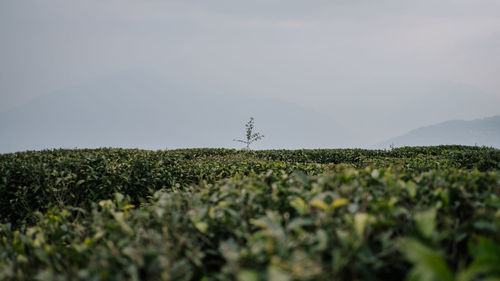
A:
251, 137
37, 181
217, 214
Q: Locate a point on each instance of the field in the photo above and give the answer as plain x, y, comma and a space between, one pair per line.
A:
415, 213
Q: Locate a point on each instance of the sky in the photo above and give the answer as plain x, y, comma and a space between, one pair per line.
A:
372, 66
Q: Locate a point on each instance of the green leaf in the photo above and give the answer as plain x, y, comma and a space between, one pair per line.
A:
486, 258
247, 275
428, 264
426, 222
360, 222
275, 273
339, 202
319, 204
201, 226
299, 205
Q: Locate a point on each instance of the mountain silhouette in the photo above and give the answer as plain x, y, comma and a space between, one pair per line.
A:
481, 132
134, 109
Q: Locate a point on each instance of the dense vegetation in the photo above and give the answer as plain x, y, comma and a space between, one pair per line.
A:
421, 213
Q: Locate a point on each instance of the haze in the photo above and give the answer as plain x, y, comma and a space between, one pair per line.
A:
378, 69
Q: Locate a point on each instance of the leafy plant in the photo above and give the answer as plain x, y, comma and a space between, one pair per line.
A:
420, 213
250, 135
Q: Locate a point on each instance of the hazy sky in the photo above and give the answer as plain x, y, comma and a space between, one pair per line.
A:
363, 63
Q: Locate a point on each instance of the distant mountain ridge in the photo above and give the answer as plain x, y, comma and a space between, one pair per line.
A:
147, 111
481, 132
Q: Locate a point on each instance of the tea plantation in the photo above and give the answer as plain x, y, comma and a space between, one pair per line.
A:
414, 213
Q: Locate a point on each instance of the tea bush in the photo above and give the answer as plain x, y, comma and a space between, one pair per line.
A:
350, 224
36, 181
423, 213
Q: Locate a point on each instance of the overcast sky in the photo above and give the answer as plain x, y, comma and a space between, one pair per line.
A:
360, 62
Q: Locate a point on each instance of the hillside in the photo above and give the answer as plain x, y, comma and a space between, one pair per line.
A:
146, 111
385, 108
481, 132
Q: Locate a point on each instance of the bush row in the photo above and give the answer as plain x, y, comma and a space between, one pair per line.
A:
348, 224
37, 181
32, 181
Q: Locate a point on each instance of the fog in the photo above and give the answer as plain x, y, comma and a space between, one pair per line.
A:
377, 68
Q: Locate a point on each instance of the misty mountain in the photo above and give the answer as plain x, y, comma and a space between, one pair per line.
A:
150, 112
481, 132
385, 108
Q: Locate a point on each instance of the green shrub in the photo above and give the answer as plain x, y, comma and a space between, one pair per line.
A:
423, 213
345, 225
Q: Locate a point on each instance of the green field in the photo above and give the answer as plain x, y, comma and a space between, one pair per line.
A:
415, 213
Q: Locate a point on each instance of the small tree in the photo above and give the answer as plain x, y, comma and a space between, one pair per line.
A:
250, 135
